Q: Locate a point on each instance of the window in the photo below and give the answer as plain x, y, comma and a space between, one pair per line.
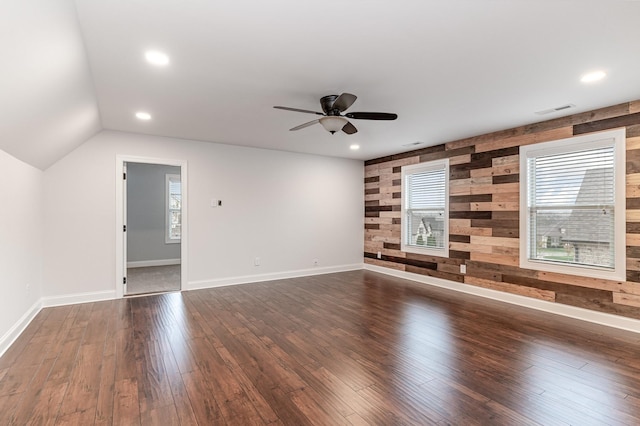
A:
572, 206
425, 208
174, 212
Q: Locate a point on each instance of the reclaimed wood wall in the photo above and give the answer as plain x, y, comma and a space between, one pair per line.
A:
484, 214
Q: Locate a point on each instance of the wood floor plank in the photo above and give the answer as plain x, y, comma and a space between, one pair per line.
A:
125, 354
16, 379
153, 382
203, 401
183, 407
85, 417
34, 404
67, 355
84, 382
7, 404
252, 392
104, 406
165, 415
62, 332
315, 407
45, 406
349, 348
126, 409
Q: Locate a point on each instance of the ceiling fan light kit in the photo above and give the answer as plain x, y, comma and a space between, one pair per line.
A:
333, 124
332, 119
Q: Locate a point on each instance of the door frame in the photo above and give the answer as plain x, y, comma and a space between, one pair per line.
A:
120, 219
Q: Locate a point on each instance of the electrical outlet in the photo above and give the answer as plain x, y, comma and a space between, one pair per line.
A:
315, 262
463, 269
256, 261
379, 255
28, 289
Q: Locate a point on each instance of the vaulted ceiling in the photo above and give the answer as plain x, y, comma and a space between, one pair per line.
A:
449, 69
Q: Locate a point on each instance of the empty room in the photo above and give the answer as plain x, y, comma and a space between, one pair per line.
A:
332, 213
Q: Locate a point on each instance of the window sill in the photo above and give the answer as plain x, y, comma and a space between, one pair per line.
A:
579, 271
443, 252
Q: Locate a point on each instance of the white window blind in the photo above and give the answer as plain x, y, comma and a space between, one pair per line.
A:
425, 207
573, 205
572, 211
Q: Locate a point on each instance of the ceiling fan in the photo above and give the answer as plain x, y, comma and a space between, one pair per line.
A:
332, 119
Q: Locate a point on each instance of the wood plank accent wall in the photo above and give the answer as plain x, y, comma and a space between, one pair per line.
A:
484, 214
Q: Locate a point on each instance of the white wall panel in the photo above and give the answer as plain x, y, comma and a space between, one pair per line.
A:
285, 208
21, 219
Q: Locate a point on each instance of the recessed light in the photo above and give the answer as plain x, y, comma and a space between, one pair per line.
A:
354, 147
156, 57
143, 115
592, 77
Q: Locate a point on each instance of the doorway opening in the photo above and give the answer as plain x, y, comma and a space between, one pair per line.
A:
151, 244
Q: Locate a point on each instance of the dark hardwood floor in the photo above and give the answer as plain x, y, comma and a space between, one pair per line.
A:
348, 348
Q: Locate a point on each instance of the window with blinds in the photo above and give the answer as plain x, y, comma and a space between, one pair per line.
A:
573, 204
174, 209
425, 209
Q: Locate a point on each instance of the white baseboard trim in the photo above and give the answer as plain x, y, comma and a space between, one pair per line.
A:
247, 279
159, 262
73, 299
610, 320
16, 330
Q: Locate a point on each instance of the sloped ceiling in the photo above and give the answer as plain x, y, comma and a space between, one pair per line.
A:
47, 101
449, 68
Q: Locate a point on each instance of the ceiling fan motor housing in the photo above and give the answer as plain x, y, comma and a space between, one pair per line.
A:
327, 104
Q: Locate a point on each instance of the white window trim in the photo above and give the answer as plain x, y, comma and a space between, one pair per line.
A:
424, 167
167, 219
591, 140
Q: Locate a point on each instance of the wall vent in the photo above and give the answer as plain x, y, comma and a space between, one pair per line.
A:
556, 109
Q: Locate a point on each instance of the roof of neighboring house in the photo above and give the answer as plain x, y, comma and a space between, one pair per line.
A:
579, 227
551, 226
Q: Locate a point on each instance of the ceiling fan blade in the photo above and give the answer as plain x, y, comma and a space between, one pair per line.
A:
302, 126
371, 115
298, 110
349, 129
344, 101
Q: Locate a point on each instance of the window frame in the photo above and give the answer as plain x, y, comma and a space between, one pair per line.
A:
415, 169
615, 138
167, 222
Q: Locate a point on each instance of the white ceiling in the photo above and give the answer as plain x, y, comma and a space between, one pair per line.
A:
449, 68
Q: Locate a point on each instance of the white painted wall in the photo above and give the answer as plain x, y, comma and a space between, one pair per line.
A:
21, 216
285, 208
146, 215
48, 106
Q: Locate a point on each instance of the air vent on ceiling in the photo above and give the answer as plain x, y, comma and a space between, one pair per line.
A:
413, 143
556, 109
